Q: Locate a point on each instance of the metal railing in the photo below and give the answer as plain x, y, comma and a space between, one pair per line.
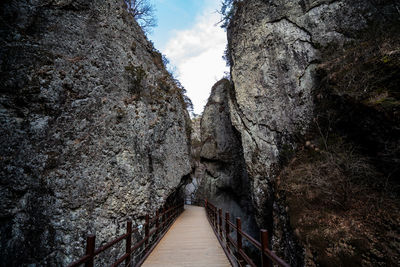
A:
233, 246
154, 229
229, 235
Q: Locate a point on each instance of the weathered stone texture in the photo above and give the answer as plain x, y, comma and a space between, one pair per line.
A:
274, 48
274, 51
224, 181
93, 131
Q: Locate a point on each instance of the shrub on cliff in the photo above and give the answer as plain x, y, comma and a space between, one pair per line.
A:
342, 187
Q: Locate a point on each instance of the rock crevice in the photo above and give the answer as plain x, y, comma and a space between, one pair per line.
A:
224, 180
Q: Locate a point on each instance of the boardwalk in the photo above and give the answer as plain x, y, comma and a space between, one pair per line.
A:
189, 242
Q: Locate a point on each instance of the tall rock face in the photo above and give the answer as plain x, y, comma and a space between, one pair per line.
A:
274, 49
191, 188
277, 51
93, 130
224, 180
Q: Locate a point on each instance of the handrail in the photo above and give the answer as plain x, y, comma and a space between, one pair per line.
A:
110, 244
231, 224
223, 228
150, 239
246, 258
251, 239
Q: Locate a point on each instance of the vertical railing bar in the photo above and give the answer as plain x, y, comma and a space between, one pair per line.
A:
157, 222
163, 217
265, 262
239, 237
128, 243
147, 230
220, 222
215, 218
227, 231
90, 246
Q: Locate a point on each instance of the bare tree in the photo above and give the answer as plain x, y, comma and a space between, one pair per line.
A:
143, 11
226, 11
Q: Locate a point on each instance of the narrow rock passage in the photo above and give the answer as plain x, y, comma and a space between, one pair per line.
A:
189, 242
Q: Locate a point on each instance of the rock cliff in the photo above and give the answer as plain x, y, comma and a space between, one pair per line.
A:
312, 130
274, 49
93, 129
224, 180
191, 189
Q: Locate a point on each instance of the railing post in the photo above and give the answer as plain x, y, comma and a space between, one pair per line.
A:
163, 217
174, 213
212, 215
90, 246
146, 230
205, 204
239, 237
227, 231
128, 243
264, 245
238, 233
215, 218
220, 223
157, 222
167, 211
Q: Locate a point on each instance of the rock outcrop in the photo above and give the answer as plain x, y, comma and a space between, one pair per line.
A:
277, 50
224, 180
93, 129
274, 50
192, 187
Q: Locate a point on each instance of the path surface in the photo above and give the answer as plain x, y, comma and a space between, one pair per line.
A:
189, 242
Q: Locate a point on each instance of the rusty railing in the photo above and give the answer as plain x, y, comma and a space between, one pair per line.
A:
233, 246
154, 229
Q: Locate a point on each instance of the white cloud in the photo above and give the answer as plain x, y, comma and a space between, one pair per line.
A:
197, 54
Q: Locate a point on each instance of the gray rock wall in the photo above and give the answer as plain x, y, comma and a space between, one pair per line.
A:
224, 179
93, 130
274, 48
191, 188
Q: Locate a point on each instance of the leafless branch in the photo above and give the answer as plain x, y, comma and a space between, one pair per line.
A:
143, 11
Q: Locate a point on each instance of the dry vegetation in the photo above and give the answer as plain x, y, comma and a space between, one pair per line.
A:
367, 71
337, 209
342, 187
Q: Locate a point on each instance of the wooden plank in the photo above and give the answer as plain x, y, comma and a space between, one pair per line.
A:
189, 242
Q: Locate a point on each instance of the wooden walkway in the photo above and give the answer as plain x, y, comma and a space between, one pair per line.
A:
189, 242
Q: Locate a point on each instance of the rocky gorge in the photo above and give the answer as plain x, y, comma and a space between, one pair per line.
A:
302, 139
311, 122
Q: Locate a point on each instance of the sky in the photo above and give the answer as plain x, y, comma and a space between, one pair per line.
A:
189, 37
